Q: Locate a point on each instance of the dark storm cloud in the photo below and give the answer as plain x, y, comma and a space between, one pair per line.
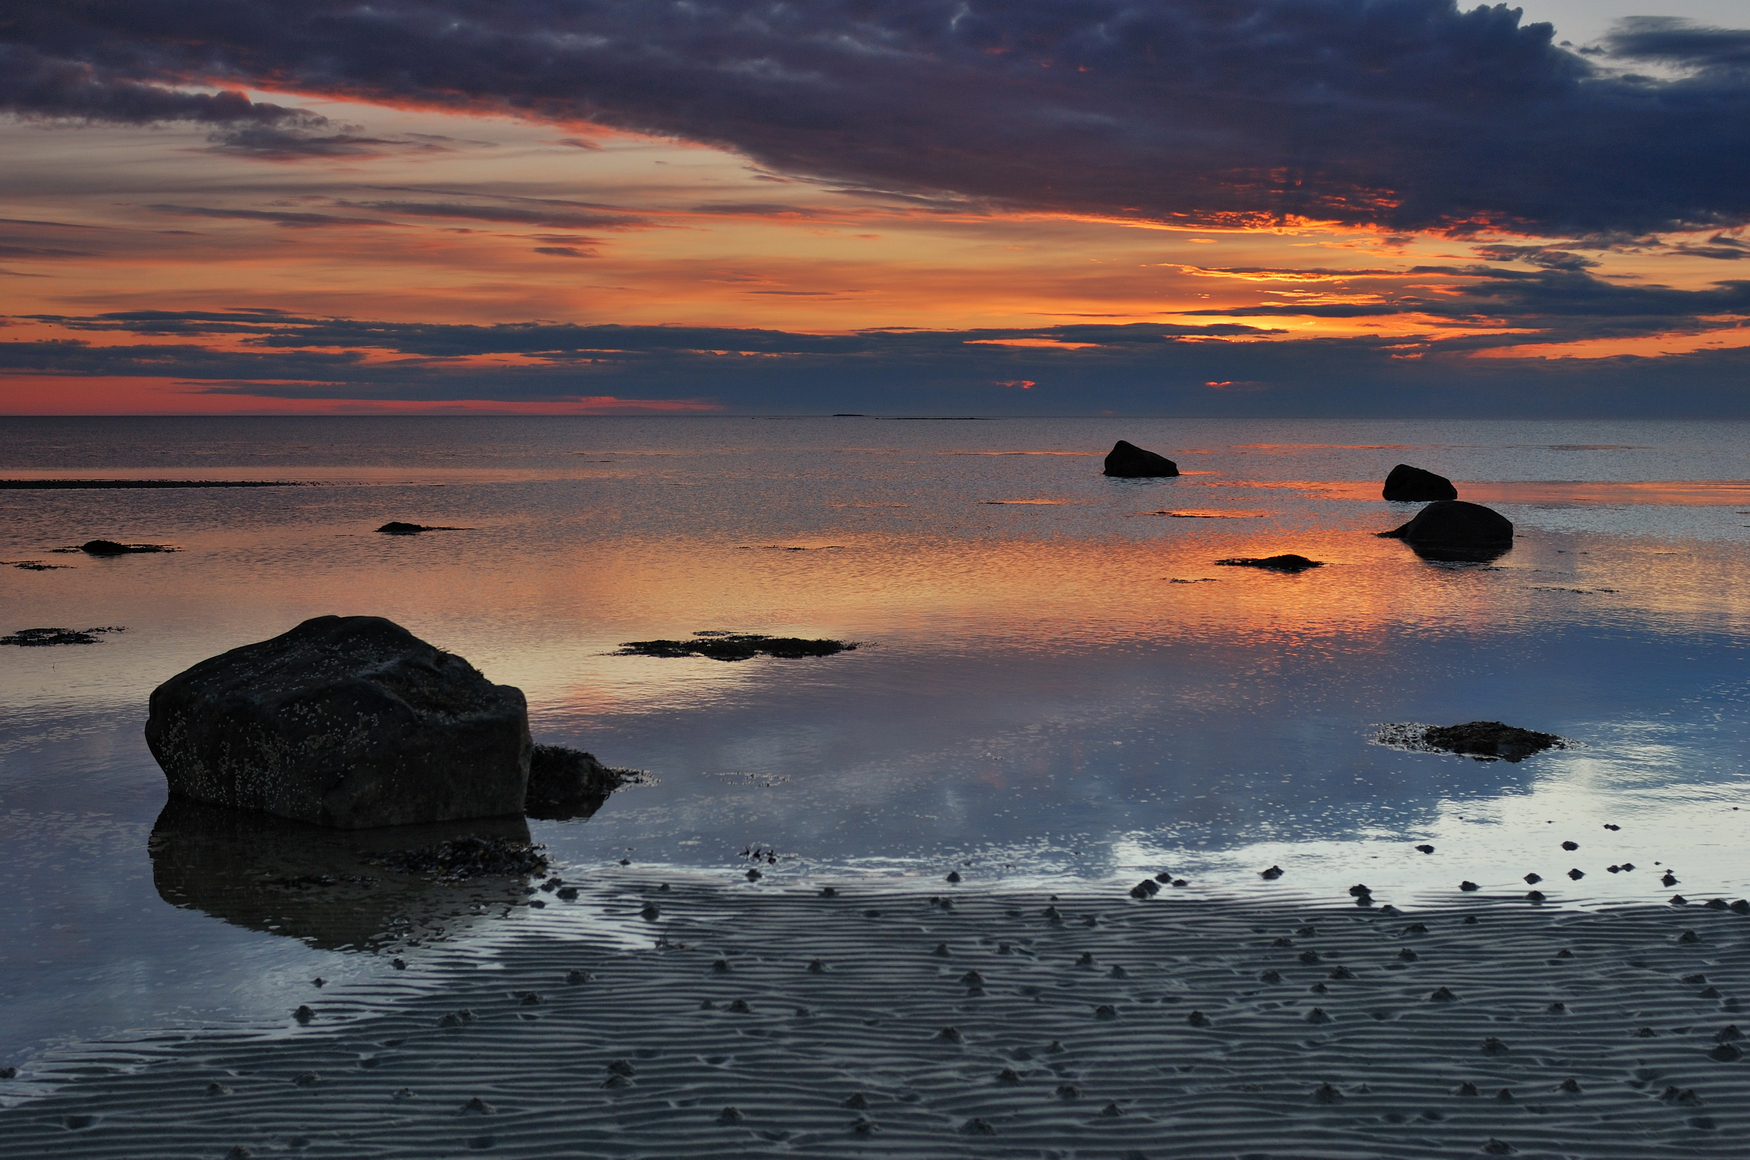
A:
1683, 43
1549, 257
1719, 247
1136, 368
40, 81
1550, 305
1410, 114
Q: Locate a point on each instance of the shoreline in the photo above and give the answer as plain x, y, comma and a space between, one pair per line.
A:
1173, 1039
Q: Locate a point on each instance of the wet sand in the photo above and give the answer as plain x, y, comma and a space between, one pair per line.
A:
770, 1018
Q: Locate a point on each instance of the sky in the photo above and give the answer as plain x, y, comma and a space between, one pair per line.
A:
1177, 207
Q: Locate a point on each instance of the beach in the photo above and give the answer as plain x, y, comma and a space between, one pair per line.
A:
847, 1019
1058, 692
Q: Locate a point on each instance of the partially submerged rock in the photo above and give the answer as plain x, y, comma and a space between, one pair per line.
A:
568, 783
1288, 562
1416, 485
1128, 461
350, 722
1483, 740
735, 646
1452, 529
44, 637
111, 548
397, 528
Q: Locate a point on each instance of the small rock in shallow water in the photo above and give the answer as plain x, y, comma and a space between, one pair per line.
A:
1288, 562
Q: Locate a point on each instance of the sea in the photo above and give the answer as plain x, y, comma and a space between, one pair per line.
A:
1056, 682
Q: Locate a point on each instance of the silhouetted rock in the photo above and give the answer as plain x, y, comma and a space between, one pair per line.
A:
1285, 563
1128, 461
735, 646
1417, 486
350, 722
111, 548
567, 783
397, 528
1451, 529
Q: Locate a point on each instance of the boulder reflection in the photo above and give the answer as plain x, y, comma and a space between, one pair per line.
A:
316, 884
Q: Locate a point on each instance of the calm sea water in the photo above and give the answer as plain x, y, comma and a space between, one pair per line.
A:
1055, 681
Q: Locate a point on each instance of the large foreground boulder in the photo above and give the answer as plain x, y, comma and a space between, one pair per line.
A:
1128, 461
351, 722
1452, 529
1414, 485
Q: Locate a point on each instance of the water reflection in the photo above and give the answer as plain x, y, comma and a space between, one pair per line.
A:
316, 884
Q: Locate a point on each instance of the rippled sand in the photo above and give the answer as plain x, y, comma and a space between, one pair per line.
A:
762, 1020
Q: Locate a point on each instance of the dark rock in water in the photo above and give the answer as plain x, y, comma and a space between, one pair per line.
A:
567, 783
397, 528
47, 637
1284, 563
1488, 740
1451, 529
735, 646
111, 548
351, 722
1414, 485
1128, 461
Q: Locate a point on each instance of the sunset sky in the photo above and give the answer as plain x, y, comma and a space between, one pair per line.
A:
1177, 207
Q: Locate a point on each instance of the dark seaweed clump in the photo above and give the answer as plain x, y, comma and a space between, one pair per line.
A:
735, 646
1482, 740
464, 858
44, 637
1285, 563
1485, 740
